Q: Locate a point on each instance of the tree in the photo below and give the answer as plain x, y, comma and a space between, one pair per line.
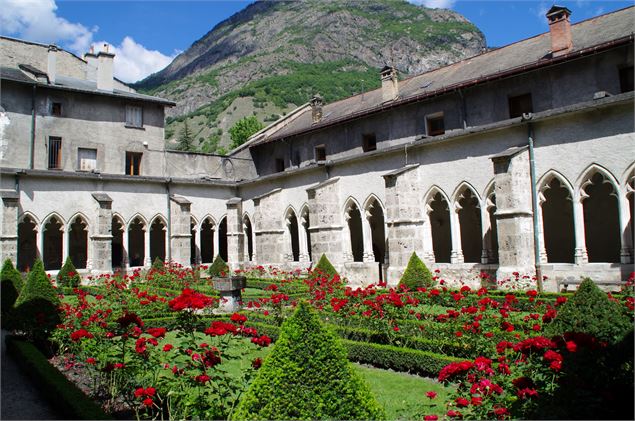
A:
244, 128
185, 138
218, 268
12, 283
307, 375
324, 268
416, 274
68, 276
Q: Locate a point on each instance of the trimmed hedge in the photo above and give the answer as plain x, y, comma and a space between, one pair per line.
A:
399, 359
11, 283
325, 267
68, 275
416, 274
58, 390
218, 268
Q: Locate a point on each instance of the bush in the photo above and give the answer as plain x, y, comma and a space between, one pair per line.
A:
325, 267
158, 265
590, 311
307, 376
416, 275
218, 268
68, 276
36, 309
11, 284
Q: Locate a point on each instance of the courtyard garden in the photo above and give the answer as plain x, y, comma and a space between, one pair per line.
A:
153, 345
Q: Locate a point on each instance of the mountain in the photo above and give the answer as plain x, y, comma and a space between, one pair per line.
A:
274, 55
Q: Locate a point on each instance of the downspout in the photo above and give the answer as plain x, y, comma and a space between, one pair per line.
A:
168, 229
32, 146
534, 201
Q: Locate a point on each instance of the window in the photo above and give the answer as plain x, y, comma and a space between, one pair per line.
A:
133, 163
134, 116
56, 109
519, 105
55, 153
279, 165
435, 124
86, 159
369, 142
626, 79
320, 153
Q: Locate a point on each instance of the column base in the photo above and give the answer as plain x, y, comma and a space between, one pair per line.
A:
626, 255
456, 257
581, 257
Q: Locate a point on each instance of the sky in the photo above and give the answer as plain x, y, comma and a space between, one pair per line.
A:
146, 35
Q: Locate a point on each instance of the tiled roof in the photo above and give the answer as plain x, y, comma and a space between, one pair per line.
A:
517, 56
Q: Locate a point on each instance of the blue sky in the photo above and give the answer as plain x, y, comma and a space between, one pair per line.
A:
147, 34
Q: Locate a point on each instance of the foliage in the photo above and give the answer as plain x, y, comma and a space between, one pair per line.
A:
244, 128
158, 264
218, 268
307, 376
66, 397
11, 285
37, 305
186, 138
416, 274
590, 311
68, 275
324, 267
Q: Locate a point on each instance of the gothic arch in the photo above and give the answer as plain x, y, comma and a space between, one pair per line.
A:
467, 205
432, 191
374, 213
138, 219
548, 176
136, 229
118, 248
207, 218
206, 230
222, 237
78, 230
28, 228
437, 209
52, 230
353, 233
248, 229
305, 223
27, 214
488, 206
158, 238
159, 217
555, 198
372, 198
460, 190
487, 192
350, 202
585, 178
292, 234
54, 215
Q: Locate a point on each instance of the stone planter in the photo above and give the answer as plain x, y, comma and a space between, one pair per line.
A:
230, 293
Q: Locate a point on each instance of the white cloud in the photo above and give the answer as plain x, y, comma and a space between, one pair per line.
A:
435, 4
133, 61
37, 20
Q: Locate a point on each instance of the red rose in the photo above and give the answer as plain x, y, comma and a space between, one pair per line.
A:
431, 394
430, 418
256, 363
157, 332
571, 346
147, 402
91, 361
461, 402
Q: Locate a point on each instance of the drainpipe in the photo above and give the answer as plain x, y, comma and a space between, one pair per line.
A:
168, 229
534, 201
32, 146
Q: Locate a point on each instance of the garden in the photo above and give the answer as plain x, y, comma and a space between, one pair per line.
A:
154, 345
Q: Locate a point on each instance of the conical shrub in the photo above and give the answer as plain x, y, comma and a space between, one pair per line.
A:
37, 306
307, 376
68, 276
158, 264
416, 275
11, 284
325, 268
218, 268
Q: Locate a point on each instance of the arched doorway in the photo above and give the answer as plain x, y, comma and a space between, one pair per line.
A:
293, 240
469, 211
305, 222
249, 239
117, 249
194, 248
222, 239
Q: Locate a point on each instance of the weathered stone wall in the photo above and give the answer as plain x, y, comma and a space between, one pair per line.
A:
269, 229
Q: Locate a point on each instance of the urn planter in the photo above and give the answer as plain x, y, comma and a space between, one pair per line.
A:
229, 289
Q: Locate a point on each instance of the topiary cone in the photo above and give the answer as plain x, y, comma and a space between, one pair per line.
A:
416, 275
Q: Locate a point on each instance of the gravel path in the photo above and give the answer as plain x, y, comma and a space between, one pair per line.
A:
20, 397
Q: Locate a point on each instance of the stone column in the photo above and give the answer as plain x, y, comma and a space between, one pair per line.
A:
235, 235
9, 225
455, 230
347, 244
180, 230
100, 242
147, 259
304, 252
65, 240
367, 231
512, 185
486, 234
626, 251
541, 233
428, 246
216, 242
125, 251
580, 254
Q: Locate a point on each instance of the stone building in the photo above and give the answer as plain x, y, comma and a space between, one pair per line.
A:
440, 164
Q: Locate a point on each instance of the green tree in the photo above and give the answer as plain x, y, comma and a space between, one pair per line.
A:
307, 375
244, 128
218, 268
68, 276
324, 267
416, 274
11, 285
186, 139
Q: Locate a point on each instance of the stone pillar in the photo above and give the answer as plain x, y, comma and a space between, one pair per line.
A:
147, 259
455, 230
268, 228
100, 242
180, 230
408, 230
626, 250
367, 232
216, 242
541, 233
580, 254
347, 244
486, 234
304, 252
124, 240
512, 185
428, 246
327, 227
9, 225
65, 240
235, 234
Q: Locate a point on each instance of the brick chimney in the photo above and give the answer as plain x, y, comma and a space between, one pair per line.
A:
91, 64
560, 29
389, 84
316, 108
51, 67
104, 70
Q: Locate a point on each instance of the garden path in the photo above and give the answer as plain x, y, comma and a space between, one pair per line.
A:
20, 399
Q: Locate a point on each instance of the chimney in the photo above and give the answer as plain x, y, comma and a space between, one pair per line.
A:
51, 69
91, 65
560, 29
104, 70
389, 84
316, 108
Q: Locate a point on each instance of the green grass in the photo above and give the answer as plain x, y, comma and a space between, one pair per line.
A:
404, 395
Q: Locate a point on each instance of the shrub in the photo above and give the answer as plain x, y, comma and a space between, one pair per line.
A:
307, 376
416, 275
218, 268
158, 265
68, 276
325, 267
590, 311
11, 284
36, 308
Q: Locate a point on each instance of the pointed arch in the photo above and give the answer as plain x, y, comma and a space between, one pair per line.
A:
248, 231
52, 241
118, 248
209, 219
467, 204
460, 190
305, 223
292, 234
28, 228
56, 216
159, 217
488, 191
136, 230
555, 198
374, 213
206, 230
31, 216
137, 218
349, 203
222, 237
158, 241
78, 230
437, 209
372, 198
587, 174
488, 211
195, 251
354, 234
548, 177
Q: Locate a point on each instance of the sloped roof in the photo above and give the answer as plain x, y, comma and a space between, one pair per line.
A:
519, 56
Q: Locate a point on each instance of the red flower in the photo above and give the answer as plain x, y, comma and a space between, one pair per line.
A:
91, 361
430, 418
139, 392
140, 346
263, 341
501, 412
256, 363
202, 378
147, 402
476, 401
431, 394
461, 402
129, 318
561, 300
571, 346
167, 347
527, 393
219, 328
454, 369
238, 318
81, 333
454, 414
157, 332
191, 300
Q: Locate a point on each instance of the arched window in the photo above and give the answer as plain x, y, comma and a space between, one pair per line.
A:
157, 240
601, 219
136, 242
52, 253
207, 240
439, 215
375, 215
292, 236
557, 221
354, 221
470, 223
27, 243
78, 242
117, 249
